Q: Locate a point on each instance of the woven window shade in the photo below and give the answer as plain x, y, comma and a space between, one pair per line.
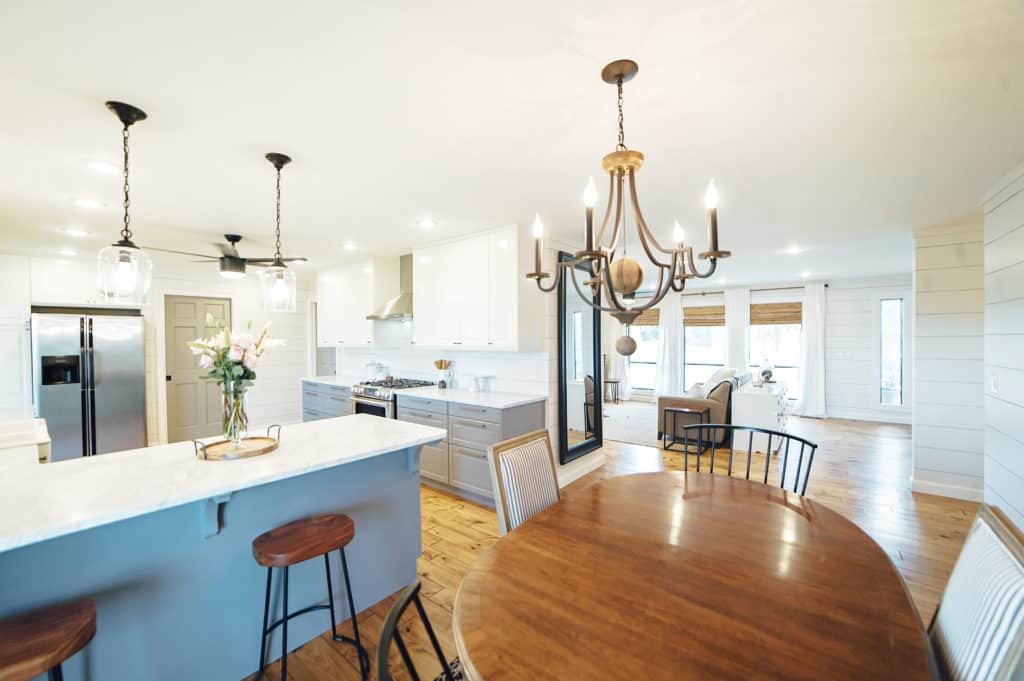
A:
649, 317
710, 315
776, 313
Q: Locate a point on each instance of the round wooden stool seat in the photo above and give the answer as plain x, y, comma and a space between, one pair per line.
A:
34, 642
303, 539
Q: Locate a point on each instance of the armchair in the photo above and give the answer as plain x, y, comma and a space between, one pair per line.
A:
719, 401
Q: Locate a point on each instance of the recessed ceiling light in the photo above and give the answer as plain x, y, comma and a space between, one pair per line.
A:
795, 249
102, 167
426, 223
805, 275
68, 252
368, 270
350, 245
76, 232
88, 204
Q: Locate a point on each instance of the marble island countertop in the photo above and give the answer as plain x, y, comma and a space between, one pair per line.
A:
44, 501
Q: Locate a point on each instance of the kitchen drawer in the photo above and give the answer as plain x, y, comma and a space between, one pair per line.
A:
338, 391
422, 404
478, 434
424, 418
312, 415
469, 411
434, 461
468, 469
336, 405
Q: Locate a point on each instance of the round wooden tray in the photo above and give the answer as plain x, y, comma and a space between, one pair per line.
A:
224, 450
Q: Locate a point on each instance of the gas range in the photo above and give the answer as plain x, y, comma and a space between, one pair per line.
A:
385, 389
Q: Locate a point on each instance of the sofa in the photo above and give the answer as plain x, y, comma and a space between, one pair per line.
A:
715, 394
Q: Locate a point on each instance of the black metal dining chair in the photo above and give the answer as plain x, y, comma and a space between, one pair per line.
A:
794, 470
450, 671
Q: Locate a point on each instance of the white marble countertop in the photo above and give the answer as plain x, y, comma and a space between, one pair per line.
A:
43, 501
23, 432
348, 380
494, 399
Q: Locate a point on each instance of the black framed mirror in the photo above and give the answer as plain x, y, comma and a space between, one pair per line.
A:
579, 368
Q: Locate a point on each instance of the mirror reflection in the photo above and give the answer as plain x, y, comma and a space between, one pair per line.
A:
579, 370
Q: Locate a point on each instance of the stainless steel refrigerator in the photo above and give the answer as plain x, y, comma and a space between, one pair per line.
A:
89, 375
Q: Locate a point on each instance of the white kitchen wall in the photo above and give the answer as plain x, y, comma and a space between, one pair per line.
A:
276, 398
853, 348
948, 355
1004, 346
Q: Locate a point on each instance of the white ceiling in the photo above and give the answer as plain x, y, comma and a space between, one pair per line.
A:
837, 126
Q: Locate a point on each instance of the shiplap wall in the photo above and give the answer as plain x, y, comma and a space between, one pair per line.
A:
853, 348
1004, 346
948, 439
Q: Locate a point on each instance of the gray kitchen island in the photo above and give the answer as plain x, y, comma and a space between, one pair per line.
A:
162, 542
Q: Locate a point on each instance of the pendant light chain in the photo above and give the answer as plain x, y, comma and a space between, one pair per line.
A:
126, 232
621, 146
277, 232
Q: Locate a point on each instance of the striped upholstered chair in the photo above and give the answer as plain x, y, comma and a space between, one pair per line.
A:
523, 473
978, 631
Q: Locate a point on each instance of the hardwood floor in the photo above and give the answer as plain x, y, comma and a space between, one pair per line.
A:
862, 471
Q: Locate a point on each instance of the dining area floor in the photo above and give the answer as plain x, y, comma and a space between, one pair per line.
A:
862, 471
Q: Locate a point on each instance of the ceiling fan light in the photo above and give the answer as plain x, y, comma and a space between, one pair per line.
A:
277, 289
232, 268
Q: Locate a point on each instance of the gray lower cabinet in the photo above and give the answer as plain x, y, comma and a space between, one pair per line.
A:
325, 401
459, 462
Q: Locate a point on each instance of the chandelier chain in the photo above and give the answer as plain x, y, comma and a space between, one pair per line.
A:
126, 232
277, 231
621, 146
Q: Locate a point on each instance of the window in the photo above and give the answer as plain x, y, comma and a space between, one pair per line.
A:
704, 342
891, 379
643, 364
577, 345
778, 345
705, 352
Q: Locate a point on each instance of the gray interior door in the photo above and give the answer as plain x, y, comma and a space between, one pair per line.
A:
118, 373
193, 405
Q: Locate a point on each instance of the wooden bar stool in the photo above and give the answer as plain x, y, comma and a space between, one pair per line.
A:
40, 640
296, 542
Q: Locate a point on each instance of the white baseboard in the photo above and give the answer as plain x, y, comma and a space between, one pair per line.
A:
943, 490
870, 415
574, 470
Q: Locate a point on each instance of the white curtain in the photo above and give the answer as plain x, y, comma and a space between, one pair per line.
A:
670, 346
812, 352
617, 366
737, 324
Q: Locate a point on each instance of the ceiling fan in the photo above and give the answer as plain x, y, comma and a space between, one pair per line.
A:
232, 264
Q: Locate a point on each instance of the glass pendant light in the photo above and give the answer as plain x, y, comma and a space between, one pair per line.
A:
124, 271
277, 282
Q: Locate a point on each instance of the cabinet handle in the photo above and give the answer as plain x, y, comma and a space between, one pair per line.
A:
456, 342
309, 394
473, 424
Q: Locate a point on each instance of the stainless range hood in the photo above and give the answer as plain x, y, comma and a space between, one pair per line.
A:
398, 308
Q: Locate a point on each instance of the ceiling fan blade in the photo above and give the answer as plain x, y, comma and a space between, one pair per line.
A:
207, 262
213, 258
257, 261
297, 259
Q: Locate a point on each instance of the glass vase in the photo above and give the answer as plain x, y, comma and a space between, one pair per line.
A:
236, 420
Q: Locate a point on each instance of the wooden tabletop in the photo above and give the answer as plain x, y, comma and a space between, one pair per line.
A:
687, 576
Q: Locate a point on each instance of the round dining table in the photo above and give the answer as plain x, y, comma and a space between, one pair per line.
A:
687, 576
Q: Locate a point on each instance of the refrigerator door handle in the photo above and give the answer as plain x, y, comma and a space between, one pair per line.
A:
84, 383
92, 392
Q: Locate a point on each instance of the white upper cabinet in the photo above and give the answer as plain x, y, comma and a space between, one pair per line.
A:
467, 295
502, 299
345, 295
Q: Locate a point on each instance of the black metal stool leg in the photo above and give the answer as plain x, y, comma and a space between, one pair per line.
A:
266, 615
55, 674
364, 657
284, 631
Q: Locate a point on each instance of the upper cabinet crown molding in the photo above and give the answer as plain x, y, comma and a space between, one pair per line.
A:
470, 294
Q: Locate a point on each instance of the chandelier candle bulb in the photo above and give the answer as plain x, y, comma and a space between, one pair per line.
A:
678, 235
590, 200
711, 201
538, 236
